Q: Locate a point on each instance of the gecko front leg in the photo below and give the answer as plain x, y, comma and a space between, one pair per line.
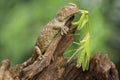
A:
64, 30
60, 25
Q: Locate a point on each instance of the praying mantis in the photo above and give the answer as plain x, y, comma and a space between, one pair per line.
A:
82, 53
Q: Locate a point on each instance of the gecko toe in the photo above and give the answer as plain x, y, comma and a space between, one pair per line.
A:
61, 32
64, 30
67, 29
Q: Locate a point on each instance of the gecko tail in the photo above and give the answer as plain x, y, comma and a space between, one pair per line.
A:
30, 60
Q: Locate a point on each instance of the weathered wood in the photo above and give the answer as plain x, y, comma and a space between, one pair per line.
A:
101, 68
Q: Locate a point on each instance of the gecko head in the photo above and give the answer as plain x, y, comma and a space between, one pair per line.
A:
67, 12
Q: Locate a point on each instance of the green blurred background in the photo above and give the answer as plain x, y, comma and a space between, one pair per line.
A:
22, 20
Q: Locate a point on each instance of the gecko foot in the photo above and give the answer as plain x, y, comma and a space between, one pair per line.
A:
41, 57
64, 30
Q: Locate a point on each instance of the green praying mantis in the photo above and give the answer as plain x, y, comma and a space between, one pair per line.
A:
83, 51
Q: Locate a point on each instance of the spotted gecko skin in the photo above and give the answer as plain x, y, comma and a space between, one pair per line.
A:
50, 31
47, 35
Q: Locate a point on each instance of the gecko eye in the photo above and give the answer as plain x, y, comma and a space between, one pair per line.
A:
60, 18
66, 9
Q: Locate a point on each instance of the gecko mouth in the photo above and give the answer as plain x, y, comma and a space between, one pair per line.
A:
69, 21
